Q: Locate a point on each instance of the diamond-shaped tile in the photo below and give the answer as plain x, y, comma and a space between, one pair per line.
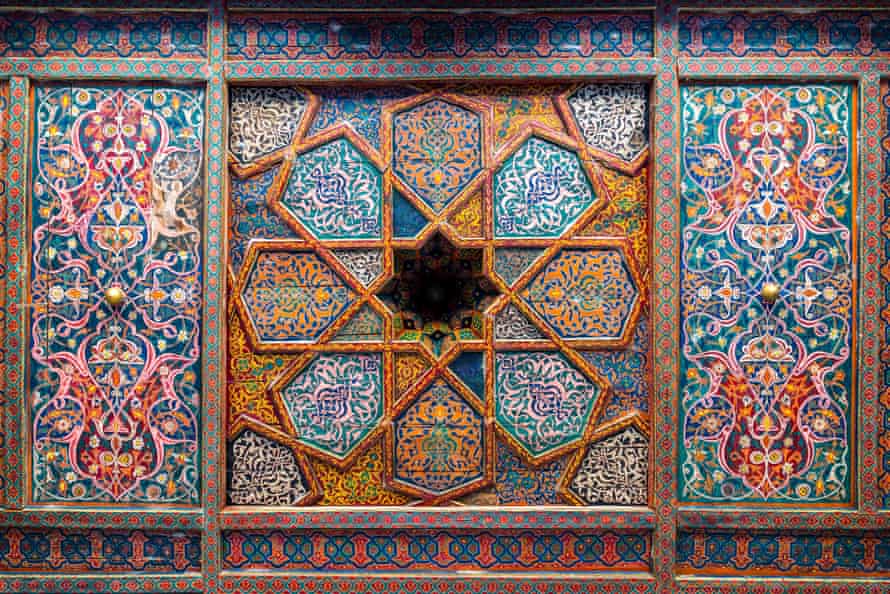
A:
335, 192
437, 150
336, 401
586, 294
291, 296
543, 403
540, 190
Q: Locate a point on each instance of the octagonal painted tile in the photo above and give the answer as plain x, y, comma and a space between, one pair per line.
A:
437, 150
335, 192
336, 402
540, 190
291, 296
439, 443
543, 403
586, 294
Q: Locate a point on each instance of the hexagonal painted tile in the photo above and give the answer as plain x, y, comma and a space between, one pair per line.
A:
586, 294
335, 402
437, 150
335, 192
539, 191
440, 444
543, 403
290, 296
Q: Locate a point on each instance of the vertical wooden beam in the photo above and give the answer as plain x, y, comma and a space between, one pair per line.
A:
665, 290
214, 307
16, 314
870, 290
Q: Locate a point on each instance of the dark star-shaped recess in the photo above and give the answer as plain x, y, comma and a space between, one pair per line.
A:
438, 294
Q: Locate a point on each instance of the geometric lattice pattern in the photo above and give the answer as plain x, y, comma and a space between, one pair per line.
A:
447, 289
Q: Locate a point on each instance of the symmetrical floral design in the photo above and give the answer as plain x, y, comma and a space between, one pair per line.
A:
116, 203
291, 295
437, 150
585, 294
540, 191
768, 285
439, 443
335, 192
437, 292
542, 401
336, 401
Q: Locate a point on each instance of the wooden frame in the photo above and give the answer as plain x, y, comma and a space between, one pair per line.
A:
667, 68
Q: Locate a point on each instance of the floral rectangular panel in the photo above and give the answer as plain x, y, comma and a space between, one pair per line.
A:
779, 34
115, 282
103, 35
767, 297
438, 295
361, 36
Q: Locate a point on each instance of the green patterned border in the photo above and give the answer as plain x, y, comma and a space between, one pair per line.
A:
665, 292
245, 584
214, 307
37, 584
14, 333
870, 293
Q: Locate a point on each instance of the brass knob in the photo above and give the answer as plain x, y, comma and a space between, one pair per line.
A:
769, 292
114, 296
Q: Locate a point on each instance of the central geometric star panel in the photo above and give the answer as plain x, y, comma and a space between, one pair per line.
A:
438, 295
